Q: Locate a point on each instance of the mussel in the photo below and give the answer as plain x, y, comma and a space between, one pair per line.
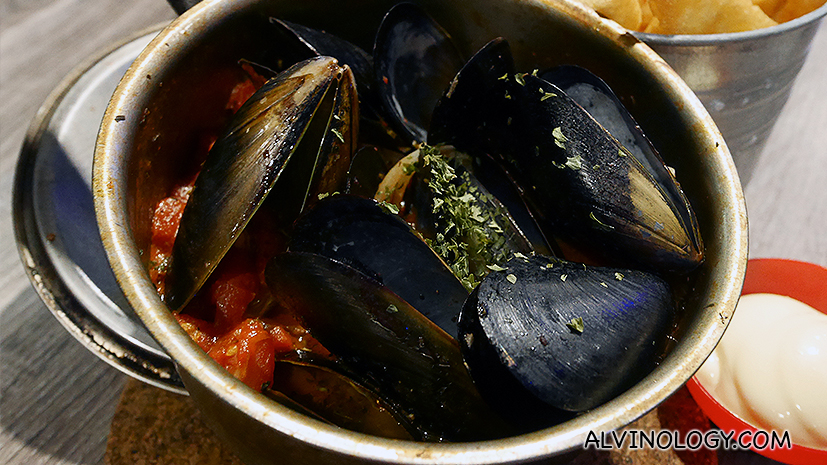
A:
574, 336
358, 232
414, 60
294, 136
414, 365
582, 184
324, 391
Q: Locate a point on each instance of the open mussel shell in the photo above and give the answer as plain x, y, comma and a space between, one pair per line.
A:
294, 136
471, 114
586, 187
580, 183
358, 232
416, 367
308, 42
414, 60
573, 336
368, 168
597, 98
322, 390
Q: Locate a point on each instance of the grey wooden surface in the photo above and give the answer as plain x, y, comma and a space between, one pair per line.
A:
57, 399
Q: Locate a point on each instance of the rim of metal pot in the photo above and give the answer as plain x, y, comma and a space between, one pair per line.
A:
111, 209
717, 39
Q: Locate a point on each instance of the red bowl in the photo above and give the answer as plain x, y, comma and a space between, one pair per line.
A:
805, 282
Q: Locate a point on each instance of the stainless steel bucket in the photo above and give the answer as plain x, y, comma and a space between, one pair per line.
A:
742, 78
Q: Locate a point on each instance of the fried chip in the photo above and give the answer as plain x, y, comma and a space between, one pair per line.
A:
707, 16
627, 13
791, 9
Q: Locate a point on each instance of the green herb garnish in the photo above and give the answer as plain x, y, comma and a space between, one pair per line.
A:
468, 235
389, 207
559, 138
575, 162
576, 325
601, 224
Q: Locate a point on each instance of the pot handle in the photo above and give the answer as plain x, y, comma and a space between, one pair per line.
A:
181, 6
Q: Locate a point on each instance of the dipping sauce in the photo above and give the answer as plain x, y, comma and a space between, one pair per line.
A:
770, 368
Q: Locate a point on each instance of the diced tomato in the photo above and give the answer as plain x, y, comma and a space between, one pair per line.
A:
285, 327
257, 79
240, 93
248, 352
284, 341
231, 293
200, 331
165, 222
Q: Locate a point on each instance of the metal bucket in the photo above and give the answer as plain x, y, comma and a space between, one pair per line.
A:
742, 78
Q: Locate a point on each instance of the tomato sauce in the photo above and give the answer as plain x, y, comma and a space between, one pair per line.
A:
231, 318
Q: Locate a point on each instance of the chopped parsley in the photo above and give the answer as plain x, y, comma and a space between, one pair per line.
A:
469, 223
600, 224
389, 207
559, 139
576, 325
546, 95
575, 162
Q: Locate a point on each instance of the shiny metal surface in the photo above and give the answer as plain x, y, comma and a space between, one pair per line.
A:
55, 227
743, 78
134, 167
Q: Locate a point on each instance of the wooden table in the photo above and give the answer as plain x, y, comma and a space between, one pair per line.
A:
57, 400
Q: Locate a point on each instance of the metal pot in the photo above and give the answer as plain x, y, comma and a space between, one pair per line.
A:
164, 98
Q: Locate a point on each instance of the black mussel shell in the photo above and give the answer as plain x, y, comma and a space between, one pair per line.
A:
294, 137
587, 188
326, 391
576, 178
414, 60
471, 115
597, 98
368, 168
573, 336
498, 183
305, 42
360, 233
415, 366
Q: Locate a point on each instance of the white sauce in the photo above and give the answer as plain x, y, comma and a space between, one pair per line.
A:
770, 368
